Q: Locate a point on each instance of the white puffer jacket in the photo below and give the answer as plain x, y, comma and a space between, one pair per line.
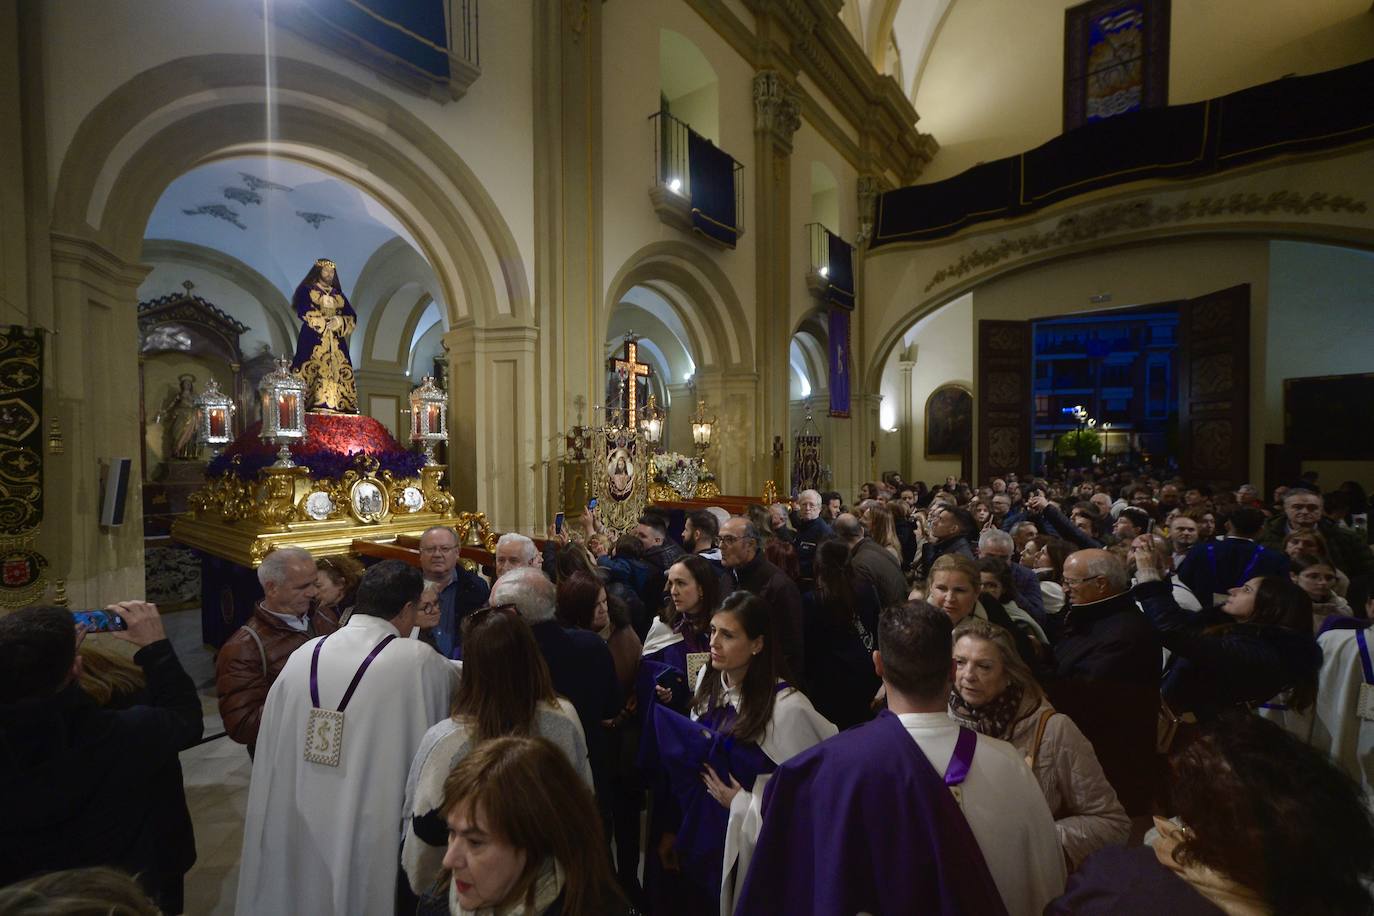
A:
1086, 811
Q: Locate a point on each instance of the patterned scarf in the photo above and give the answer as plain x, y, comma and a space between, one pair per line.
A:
993, 718
547, 886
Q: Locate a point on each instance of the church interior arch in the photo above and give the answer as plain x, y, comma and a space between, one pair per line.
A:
651, 313
159, 128
261, 222
808, 388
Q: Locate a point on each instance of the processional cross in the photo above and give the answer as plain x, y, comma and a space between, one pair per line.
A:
629, 368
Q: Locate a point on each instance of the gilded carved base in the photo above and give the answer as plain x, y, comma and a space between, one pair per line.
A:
243, 520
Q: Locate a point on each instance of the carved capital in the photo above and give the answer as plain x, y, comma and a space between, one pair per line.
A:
777, 108
869, 187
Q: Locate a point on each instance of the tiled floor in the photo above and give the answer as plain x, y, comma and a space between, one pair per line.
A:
216, 775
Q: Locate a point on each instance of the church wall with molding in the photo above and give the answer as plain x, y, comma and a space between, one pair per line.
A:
992, 84
1321, 322
943, 345
1310, 307
1055, 274
631, 75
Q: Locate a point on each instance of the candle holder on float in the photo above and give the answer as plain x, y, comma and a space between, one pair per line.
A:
216, 415
428, 417
651, 424
283, 410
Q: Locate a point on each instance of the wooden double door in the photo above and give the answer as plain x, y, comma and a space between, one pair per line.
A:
1214, 391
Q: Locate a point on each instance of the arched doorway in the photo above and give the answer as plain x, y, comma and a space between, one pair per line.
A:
173, 118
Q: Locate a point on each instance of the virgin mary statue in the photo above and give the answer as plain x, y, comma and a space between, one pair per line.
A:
322, 360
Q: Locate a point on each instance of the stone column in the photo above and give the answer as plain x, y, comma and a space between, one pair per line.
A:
906, 411
568, 284
732, 397
777, 116
497, 463
684, 404
93, 392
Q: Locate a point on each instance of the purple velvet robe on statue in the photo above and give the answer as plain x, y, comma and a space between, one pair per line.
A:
327, 370
862, 823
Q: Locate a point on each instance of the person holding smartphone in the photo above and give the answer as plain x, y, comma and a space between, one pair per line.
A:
88, 786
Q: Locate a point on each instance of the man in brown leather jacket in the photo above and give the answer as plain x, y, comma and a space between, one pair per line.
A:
282, 622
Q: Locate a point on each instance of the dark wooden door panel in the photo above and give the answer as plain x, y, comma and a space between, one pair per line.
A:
1004, 398
1214, 380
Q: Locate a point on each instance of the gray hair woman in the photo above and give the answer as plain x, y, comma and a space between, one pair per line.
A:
995, 694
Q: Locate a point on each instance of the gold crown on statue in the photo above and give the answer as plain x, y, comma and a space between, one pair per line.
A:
324, 262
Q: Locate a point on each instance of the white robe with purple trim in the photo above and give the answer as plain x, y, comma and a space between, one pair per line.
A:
321, 840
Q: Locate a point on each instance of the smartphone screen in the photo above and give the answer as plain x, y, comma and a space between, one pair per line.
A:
99, 621
558, 522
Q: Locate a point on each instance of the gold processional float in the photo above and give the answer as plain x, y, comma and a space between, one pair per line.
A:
333, 479
337, 476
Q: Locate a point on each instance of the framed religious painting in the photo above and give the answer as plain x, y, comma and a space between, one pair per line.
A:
368, 501
949, 422
1116, 59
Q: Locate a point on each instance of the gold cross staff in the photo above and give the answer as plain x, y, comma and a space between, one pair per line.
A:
632, 369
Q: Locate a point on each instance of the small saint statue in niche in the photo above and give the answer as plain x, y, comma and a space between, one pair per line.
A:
179, 415
322, 360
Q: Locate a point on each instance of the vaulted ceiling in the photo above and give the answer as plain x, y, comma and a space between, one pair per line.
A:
896, 34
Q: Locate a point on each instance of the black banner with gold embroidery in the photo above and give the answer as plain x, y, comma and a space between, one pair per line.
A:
21, 430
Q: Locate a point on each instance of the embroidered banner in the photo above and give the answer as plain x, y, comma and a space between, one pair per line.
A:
840, 368
21, 430
23, 570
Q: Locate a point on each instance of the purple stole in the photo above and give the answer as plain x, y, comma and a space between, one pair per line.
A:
863, 823
684, 747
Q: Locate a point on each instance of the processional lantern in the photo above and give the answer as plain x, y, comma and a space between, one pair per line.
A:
428, 417
283, 410
703, 427
216, 412
651, 423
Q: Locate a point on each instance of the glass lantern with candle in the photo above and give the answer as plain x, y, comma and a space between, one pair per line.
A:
283, 410
428, 417
702, 428
216, 415
651, 424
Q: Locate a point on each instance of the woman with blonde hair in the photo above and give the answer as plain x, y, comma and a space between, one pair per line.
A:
881, 528
506, 690
995, 694
516, 818
113, 680
956, 587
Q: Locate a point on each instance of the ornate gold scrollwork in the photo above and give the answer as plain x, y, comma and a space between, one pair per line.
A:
436, 500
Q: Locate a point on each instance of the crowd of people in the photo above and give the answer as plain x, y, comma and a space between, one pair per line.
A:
1106, 693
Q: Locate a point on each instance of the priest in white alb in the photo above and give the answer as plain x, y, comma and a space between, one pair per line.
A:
341, 725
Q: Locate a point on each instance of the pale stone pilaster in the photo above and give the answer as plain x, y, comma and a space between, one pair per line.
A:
94, 393
496, 459
906, 411
732, 396
777, 117
568, 225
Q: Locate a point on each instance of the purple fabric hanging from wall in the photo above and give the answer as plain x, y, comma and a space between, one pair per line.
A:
840, 365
